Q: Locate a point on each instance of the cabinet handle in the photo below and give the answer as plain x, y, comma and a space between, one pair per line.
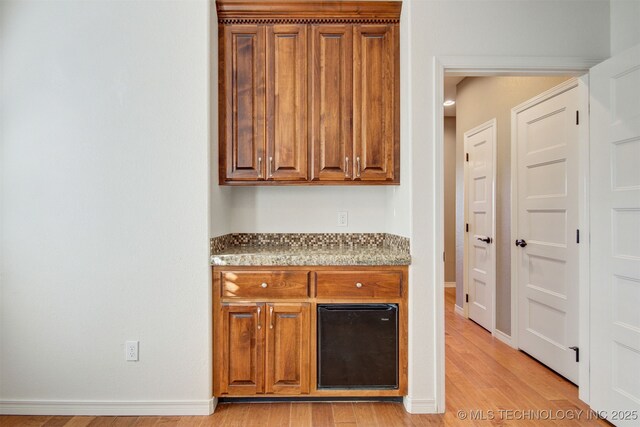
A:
271, 317
346, 167
270, 167
264, 285
358, 163
358, 285
259, 167
259, 325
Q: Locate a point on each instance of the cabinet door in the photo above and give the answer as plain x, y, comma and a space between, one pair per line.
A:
242, 349
242, 103
286, 94
331, 97
375, 109
287, 340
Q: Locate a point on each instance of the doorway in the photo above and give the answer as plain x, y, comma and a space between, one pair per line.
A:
497, 235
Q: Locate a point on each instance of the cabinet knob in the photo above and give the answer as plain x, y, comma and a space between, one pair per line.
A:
358, 285
264, 285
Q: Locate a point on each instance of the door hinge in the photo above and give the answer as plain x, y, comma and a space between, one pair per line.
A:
577, 117
467, 157
578, 236
466, 227
466, 298
444, 257
577, 350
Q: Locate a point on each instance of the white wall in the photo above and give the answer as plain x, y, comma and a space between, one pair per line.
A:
625, 25
492, 28
307, 209
104, 221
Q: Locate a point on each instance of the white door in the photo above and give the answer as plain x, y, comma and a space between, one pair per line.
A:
546, 145
480, 147
615, 238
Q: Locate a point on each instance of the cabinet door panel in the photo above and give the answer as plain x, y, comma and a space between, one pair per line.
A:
374, 79
287, 102
243, 108
331, 97
287, 363
243, 352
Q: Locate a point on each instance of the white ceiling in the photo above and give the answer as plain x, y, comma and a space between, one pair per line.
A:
450, 83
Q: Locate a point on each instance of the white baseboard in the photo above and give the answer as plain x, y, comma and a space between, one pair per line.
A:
112, 408
459, 310
419, 406
449, 284
503, 337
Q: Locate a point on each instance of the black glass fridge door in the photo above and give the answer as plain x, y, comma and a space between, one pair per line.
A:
358, 346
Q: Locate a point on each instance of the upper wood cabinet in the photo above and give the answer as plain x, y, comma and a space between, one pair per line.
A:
331, 102
242, 102
375, 93
286, 60
309, 92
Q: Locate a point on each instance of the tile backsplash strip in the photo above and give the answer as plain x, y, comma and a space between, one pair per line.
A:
310, 240
399, 243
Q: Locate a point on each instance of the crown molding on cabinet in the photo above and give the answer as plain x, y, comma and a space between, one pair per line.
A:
310, 12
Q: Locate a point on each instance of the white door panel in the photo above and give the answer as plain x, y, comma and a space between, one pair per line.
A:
615, 238
547, 220
480, 146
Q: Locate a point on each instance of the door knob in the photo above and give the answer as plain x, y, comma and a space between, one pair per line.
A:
521, 242
484, 239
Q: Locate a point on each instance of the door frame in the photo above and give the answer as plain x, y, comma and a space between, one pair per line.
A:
582, 83
486, 66
492, 247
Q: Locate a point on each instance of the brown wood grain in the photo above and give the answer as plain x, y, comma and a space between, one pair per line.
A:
287, 343
331, 102
306, 102
242, 102
374, 88
242, 352
293, 319
249, 284
241, 9
286, 102
344, 284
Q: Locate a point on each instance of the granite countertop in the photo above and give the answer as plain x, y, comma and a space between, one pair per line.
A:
310, 249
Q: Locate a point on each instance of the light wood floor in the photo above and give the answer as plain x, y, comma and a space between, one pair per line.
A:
482, 374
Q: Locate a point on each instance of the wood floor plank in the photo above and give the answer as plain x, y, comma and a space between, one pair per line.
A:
322, 415
124, 421
387, 415
343, 412
236, 415
258, 414
300, 415
218, 418
146, 421
23, 420
365, 414
79, 421
280, 414
56, 421
192, 421
101, 421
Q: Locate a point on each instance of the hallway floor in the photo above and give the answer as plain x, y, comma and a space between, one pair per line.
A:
488, 383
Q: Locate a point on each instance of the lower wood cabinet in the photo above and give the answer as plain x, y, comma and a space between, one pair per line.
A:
265, 348
264, 325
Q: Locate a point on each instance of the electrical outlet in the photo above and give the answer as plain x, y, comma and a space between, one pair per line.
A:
343, 218
131, 351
